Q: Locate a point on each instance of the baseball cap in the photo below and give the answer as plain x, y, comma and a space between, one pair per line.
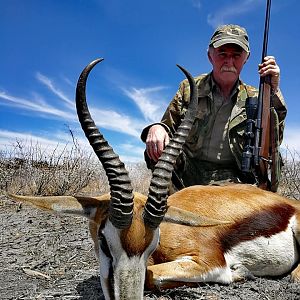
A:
230, 34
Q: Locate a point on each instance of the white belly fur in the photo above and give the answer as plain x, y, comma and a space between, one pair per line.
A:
263, 256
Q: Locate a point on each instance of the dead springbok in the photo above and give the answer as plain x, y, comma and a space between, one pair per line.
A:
146, 241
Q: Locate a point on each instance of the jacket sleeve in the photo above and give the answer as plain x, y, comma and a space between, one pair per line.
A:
175, 111
281, 109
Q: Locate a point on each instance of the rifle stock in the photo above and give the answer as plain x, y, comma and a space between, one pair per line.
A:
265, 122
262, 158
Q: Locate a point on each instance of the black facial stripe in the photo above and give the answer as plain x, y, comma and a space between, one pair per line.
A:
103, 245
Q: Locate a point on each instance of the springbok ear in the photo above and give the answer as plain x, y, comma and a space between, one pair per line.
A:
83, 206
184, 217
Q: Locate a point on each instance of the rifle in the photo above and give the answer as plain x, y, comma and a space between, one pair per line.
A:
261, 153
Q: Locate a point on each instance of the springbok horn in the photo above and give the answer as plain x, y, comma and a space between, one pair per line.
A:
159, 187
121, 202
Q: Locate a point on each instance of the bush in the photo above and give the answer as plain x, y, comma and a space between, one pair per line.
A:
29, 169
290, 180
69, 170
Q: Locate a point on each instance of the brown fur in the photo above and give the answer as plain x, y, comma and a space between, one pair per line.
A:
137, 237
271, 220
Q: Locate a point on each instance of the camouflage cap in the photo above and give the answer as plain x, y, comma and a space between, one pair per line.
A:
230, 34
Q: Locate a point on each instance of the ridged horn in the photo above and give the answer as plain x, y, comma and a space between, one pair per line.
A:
156, 204
121, 203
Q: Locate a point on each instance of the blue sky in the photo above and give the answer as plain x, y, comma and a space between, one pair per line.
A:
46, 43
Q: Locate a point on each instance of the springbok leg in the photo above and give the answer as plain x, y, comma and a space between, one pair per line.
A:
182, 272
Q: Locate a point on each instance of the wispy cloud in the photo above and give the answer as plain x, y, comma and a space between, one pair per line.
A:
68, 81
196, 3
38, 105
49, 84
148, 100
151, 101
112, 120
58, 141
107, 119
227, 13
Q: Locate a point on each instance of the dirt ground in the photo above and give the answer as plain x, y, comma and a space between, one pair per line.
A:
47, 256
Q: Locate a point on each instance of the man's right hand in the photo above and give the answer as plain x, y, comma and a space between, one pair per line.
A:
156, 141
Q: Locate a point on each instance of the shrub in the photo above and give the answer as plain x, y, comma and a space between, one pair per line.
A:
68, 170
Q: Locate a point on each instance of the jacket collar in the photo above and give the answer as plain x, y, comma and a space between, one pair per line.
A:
206, 85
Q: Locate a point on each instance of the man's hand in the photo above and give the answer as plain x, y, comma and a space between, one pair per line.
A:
269, 67
156, 141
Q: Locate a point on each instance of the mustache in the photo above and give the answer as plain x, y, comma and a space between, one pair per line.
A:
229, 69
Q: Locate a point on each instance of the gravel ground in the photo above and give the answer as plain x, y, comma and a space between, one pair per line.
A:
47, 256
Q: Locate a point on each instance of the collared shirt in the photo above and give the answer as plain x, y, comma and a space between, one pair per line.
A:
216, 148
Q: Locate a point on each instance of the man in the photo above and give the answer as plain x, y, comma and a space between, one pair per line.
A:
212, 153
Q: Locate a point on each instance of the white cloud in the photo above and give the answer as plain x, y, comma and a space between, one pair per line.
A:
197, 4
107, 119
49, 84
68, 81
112, 120
149, 101
38, 105
225, 14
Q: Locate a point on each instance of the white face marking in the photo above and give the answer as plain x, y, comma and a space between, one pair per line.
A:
266, 256
128, 272
129, 278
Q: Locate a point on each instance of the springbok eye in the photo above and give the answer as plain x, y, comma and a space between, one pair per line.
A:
103, 245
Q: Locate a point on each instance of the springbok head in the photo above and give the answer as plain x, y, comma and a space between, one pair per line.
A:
129, 235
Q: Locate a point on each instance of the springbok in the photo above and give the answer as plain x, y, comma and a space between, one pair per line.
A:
199, 234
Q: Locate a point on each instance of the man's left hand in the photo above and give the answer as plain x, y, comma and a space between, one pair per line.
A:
270, 67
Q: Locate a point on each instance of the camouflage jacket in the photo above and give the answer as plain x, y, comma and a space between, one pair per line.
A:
177, 108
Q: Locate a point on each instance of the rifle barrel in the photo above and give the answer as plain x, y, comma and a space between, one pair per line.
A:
266, 31
258, 130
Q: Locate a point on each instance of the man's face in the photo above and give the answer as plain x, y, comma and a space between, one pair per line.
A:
227, 61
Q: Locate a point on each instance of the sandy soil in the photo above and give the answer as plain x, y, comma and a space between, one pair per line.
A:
47, 256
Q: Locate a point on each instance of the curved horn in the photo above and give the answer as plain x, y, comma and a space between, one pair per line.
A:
159, 187
121, 204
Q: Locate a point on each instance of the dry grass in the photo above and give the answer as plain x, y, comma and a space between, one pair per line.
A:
32, 170
28, 169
